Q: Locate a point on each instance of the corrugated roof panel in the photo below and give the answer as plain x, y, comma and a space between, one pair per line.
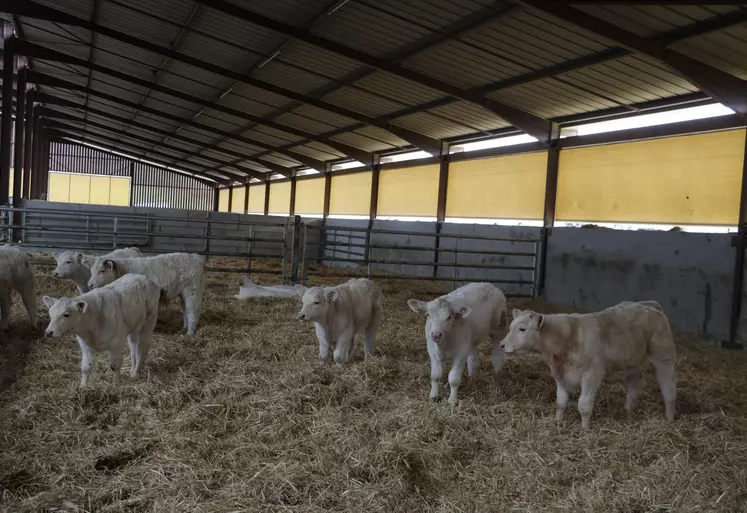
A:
328, 64
242, 92
186, 78
398, 89
153, 101
124, 52
239, 146
235, 122
645, 20
384, 136
262, 134
105, 106
318, 151
138, 24
82, 8
295, 12
210, 118
463, 65
362, 142
248, 106
231, 30
302, 123
362, 101
124, 94
323, 116
436, 14
171, 9
371, 30
56, 36
535, 98
215, 155
159, 123
432, 126
217, 53
280, 160
290, 77
725, 49
627, 80
470, 115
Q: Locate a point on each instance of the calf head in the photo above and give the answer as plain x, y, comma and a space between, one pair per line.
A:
69, 264
103, 272
440, 316
524, 334
64, 315
316, 302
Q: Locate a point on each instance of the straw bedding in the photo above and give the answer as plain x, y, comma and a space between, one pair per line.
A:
243, 417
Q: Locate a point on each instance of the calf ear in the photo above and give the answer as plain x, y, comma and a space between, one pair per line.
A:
300, 290
86, 260
540, 321
517, 313
416, 306
332, 295
56, 255
49, 301
463, 312
79, 257
110, 265
82, 306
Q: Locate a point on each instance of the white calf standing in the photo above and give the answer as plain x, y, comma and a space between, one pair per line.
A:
581, 350
456, 324
104, 318
338, 313
16, 274
178, 274
74, 265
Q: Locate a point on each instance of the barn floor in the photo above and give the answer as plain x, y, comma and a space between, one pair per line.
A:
243, 417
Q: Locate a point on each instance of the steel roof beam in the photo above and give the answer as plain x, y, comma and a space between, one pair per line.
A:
720, 85
50, 81
73, 130
62, 134
532, 124
52, 114
40, 52
34, 10
61, 102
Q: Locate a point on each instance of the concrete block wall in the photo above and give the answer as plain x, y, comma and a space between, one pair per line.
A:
689, 274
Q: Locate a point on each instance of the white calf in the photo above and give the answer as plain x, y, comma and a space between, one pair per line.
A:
456, 324
178, 274
581, 350
16, 274
104, 318
74, 265
247, 288
338, 313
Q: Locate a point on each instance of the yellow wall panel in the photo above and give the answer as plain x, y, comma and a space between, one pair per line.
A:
59, 187
80, 188
100, 187
411, 191
280, 194
510, 187
692, 179
223, 199
257, 199
237, 200
350, 194
310, 196
119, 192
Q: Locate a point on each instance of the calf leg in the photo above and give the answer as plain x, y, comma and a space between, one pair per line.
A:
455, 378
28, 295
561, 400
342, 347
589, 385
86, 364
635, 387
185, 324
369, 341
132, 341
497, 354
4, 309
192, 305
143, 346
115, 362
472, 362
437, 370
667, 383
321, 336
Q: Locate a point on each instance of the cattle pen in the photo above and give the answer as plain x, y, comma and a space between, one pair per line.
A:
575, 155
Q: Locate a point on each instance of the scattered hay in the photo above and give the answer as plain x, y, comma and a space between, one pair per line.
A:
243, 417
